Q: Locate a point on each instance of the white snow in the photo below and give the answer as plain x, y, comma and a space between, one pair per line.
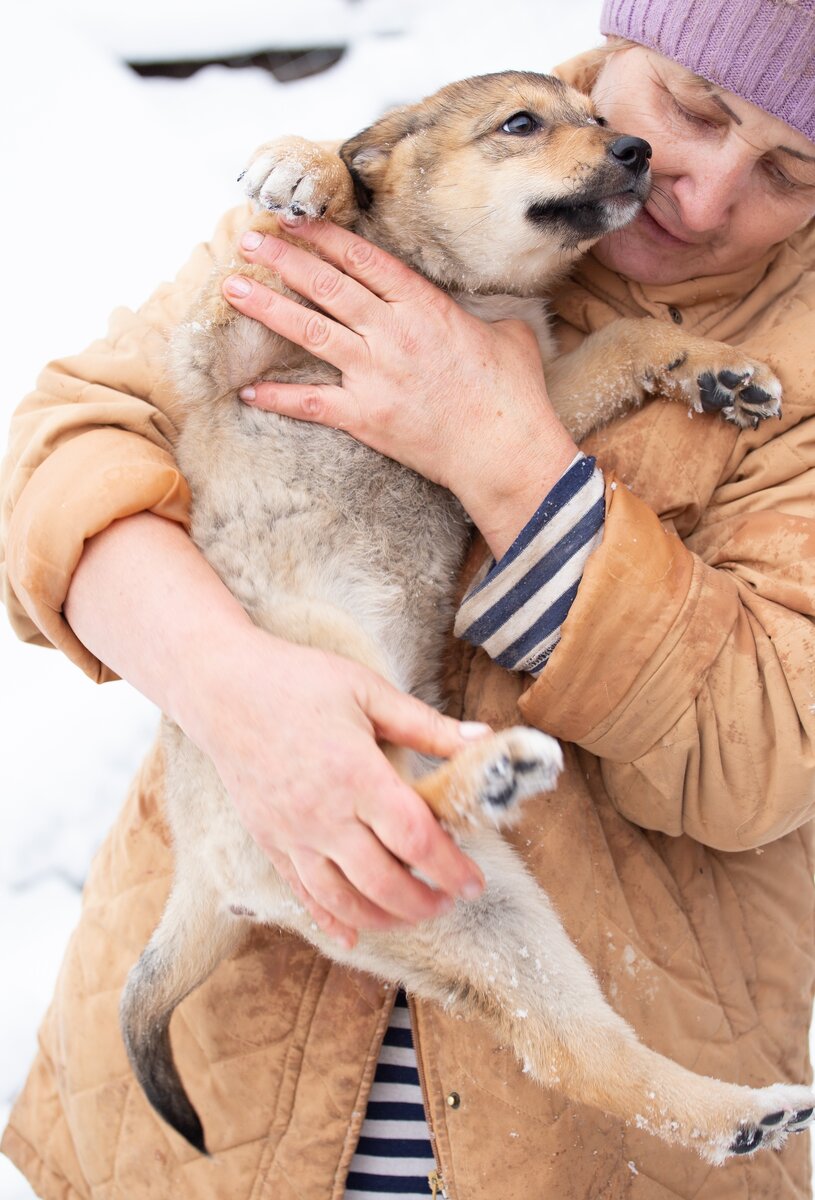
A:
109, 180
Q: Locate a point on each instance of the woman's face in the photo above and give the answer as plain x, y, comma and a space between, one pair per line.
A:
729, 180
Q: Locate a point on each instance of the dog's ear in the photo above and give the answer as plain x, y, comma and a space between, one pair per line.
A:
366, 155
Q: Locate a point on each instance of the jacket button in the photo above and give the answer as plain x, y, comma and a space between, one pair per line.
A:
676, 315
453, 1100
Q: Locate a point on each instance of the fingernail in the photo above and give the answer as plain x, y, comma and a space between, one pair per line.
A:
470, 730
247, 393
472, 890
291, 221
251, 239
237, 285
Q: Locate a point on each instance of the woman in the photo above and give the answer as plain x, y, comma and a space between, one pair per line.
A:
676, 847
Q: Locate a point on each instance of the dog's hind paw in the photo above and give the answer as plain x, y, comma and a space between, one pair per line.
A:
773, 1114
524, 763
486, 783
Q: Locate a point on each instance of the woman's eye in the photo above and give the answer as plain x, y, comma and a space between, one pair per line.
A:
691, 117
778, 178
521, 123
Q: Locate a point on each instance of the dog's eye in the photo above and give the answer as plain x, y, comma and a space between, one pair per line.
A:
598, 121
521, 123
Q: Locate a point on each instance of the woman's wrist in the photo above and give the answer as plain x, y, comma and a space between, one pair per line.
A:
501, 501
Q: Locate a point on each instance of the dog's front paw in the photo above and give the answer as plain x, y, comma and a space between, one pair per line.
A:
744, 394
297, 178
719, 379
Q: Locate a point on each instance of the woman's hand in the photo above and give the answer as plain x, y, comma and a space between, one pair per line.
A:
293, 732
459, 400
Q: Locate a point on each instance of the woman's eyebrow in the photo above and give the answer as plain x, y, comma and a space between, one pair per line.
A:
722, 104
716, 98
798, 154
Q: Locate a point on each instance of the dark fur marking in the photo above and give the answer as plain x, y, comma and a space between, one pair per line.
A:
524, 766
677, 362
146, 1037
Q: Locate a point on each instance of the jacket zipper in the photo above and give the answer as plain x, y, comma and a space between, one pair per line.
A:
436, 1183
435, 1179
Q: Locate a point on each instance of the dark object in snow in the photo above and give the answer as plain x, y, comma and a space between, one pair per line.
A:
285, 65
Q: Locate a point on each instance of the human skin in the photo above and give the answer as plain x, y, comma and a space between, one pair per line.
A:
500, 454
730, 181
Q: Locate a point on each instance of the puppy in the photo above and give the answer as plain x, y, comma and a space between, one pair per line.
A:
326, 543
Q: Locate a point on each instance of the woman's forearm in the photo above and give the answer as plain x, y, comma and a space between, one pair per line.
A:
146, 602
291, 730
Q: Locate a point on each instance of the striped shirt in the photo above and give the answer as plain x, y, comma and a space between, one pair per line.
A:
394, 1154
514, 609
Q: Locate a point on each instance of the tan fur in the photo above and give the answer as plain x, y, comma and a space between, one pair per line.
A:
328, 544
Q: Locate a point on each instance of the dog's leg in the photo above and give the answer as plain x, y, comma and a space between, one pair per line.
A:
624, 364
506, 959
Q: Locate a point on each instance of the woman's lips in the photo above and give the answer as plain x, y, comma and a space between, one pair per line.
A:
659, 233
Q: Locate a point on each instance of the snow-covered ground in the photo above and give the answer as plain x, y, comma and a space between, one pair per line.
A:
109, 180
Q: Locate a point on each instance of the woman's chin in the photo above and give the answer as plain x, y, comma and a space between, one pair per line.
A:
630, 252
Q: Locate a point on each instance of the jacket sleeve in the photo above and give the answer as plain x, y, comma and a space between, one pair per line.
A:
93, 444
688, 666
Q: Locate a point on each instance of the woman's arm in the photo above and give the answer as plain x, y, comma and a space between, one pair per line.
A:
291, 730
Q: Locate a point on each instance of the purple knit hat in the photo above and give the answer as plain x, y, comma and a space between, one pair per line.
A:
762, 50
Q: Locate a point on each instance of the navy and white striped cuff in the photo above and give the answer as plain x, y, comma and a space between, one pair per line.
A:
515, 607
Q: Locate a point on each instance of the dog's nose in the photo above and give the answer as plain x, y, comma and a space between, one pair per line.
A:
632, 152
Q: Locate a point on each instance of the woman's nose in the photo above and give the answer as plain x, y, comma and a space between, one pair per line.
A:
709, 188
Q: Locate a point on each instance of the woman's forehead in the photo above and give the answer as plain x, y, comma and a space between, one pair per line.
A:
774, 132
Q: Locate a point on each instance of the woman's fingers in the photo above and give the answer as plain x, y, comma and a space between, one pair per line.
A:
317, 334
384, 275
384, 880
333, 291
407, 828
320, 403
326, 921
406, 721
326, 883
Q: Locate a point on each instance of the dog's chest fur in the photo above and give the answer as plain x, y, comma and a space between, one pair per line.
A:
293, 513
290, 513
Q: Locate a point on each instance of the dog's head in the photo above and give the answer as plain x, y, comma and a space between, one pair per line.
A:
496, 183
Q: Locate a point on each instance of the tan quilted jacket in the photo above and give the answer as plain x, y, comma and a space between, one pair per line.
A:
677, 847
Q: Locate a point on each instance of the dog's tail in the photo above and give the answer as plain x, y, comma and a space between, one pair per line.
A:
193, 936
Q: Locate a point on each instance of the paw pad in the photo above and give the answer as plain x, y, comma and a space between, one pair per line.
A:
738, 396
746, 1141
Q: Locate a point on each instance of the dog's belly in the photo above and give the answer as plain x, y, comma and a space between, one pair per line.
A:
323, 540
